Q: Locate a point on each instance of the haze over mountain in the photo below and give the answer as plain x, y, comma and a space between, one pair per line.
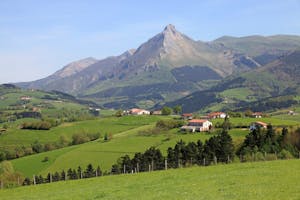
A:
168, 66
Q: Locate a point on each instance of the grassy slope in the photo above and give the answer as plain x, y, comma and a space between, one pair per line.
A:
16, 136
273, 121
125, 141
106, 153
260, 180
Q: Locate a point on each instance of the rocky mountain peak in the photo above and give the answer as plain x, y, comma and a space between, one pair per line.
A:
170, 28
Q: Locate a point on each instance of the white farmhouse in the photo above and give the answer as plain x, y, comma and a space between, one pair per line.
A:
198, 125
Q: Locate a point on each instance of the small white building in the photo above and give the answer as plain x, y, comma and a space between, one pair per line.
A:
25, 98
197, 125
257, 114
255, 125
137, 111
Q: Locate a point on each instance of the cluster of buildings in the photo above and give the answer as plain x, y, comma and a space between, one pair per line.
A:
136, 111
198, 125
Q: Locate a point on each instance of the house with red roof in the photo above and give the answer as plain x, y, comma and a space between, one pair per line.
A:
197, 125
258, 124
188, 116
215, 115
137, 111
257, 114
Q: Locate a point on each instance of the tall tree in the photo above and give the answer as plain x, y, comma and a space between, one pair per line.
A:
177, 109
89, 172
166, 111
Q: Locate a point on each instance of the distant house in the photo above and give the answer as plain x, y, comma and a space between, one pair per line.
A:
25, 98
188, 116
94, 109
291, 112
137, 111
215, 115
257, 124
257, 115
197, 125
35, 109
156, 112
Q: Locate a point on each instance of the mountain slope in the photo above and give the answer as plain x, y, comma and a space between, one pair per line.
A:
168, 66
279, 78
262, 49
66, 71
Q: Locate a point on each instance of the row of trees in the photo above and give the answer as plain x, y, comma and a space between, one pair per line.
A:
40, 125
70, 174
267, 141
218, 148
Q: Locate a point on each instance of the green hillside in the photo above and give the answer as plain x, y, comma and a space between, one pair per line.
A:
273, 86
259, 180
127, 139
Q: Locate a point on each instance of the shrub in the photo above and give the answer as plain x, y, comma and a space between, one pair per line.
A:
259, 156
42, 125
284, 154
37, 147
49, 147
166, 111
169, 124
46, 159
80, 138
271, 156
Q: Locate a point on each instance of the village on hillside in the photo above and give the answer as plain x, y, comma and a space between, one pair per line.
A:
200, 123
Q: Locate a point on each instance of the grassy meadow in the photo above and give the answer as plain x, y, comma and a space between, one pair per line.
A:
257, 180
126, 140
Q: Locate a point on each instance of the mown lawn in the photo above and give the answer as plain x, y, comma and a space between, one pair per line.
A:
259, 180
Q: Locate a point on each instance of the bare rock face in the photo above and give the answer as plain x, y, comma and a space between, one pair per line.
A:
75, 67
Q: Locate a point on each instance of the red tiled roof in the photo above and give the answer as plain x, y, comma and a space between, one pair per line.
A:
215, 113
136, 110
261, 123
197, 120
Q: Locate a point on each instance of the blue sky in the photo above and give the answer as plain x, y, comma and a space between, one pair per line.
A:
39, 37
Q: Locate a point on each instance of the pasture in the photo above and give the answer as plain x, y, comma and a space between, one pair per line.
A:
273, 180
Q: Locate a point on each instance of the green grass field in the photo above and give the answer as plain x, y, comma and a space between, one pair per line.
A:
259, 180
15, 136
126, 140
274, 121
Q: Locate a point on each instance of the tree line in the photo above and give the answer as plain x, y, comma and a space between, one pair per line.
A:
218, 148
265, 141
70, 174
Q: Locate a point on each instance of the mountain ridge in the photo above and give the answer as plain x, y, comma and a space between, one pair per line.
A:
171, 60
